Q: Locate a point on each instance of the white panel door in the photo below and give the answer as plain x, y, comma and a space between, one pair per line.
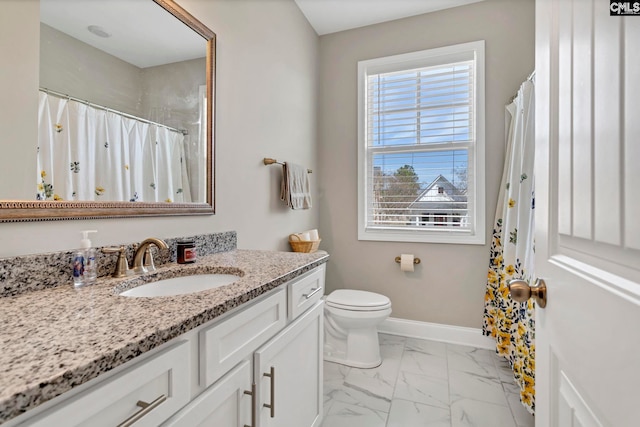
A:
587, 214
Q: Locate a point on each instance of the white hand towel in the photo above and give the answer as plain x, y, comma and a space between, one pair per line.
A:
296, 189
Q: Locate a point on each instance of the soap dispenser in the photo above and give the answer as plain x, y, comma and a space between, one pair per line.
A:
85, 269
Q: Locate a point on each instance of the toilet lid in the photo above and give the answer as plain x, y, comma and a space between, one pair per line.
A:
349, 299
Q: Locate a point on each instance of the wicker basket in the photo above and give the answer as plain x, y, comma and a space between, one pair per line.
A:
299, 245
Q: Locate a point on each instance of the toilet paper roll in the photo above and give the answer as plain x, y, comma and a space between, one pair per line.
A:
304, 236
406, 262
313, 234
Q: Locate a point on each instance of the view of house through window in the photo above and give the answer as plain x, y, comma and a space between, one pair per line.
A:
420, 144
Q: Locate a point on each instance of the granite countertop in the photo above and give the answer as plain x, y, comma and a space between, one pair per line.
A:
58, 338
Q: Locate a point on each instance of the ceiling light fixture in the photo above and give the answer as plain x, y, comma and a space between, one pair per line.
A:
99, 31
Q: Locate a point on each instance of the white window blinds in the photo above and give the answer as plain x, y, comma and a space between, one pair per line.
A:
419, 146
424, 106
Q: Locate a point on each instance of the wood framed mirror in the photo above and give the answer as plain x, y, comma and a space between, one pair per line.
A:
156, 110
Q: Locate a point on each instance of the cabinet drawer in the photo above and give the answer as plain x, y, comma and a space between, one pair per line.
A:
225, 344
305, 291
163, 379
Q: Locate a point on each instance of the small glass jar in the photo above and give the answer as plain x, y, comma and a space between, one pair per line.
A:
186, 252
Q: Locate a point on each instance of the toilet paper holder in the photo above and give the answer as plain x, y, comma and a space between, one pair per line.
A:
415, 260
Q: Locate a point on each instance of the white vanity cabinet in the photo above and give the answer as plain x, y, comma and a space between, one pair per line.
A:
258, 366
285, 389
286, 386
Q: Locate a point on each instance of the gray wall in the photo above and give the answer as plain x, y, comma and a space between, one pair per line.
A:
266, 106
448, 287
19, 46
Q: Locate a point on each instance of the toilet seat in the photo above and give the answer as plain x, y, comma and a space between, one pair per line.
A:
352, 300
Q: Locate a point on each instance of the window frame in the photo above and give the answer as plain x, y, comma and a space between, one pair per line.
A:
476, 166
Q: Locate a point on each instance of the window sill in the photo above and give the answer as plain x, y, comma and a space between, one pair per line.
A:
421, 236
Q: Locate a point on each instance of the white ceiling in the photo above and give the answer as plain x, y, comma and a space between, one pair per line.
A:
142, 33
330, 16
171, 41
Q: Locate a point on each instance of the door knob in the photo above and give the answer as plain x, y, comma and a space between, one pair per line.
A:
521, 291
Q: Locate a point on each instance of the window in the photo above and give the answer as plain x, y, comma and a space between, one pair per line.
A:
421, 146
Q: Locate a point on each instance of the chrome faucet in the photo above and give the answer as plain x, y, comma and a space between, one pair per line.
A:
143, 260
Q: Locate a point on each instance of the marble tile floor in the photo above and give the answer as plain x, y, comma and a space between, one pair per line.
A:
424, 383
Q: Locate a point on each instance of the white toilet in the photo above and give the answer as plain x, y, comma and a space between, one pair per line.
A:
351, 327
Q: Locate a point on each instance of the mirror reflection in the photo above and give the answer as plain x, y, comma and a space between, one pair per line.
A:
122, 106
172, 95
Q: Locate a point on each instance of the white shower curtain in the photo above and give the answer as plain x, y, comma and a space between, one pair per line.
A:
512, 249
92, 154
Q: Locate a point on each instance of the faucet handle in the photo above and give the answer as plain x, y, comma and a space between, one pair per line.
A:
122, 265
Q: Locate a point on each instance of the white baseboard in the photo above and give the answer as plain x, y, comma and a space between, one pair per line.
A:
437, 332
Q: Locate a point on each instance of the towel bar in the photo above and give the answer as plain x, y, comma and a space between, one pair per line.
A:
270, 161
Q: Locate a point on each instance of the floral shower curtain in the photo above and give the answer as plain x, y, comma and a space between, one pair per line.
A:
512, 249
92, 154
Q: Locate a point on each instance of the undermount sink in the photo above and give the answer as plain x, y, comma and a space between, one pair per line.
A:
181, 285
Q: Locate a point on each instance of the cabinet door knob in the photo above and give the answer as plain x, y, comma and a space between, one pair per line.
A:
521, 291
272, 404
146, 408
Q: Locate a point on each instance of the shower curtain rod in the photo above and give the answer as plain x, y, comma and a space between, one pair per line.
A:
102, 107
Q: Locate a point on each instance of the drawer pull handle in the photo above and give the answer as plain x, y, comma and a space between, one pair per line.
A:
313, 292
272, 405
146, 408
252, 393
